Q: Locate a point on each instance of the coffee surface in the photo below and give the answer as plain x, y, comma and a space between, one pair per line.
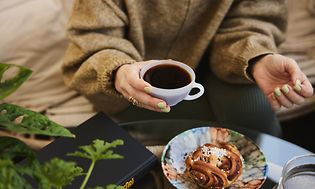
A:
167, 76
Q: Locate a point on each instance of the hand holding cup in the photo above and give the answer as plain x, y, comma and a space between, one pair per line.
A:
130, 83
171, 81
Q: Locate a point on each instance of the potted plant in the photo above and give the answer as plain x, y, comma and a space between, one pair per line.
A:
55, 173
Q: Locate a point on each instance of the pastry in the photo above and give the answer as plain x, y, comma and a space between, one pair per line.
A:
214, 166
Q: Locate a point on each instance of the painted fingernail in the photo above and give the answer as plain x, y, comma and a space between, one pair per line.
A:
277, 92
161, 105
147, 89
285, 88
166, 110
298, 85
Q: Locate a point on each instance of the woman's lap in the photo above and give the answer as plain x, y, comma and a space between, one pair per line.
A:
241, 105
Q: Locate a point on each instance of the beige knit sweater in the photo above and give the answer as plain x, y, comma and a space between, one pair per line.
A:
105, 34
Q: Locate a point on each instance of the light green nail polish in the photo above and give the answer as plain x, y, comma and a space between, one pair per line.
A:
298, 85
161, 105
277, 92
297, 88
147, 89
297, 82
285, 89
166, 110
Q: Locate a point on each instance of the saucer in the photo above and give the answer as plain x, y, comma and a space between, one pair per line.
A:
255, 167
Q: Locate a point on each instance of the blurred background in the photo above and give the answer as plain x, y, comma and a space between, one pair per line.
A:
301, 131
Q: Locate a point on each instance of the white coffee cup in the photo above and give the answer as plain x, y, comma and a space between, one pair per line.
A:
174, 95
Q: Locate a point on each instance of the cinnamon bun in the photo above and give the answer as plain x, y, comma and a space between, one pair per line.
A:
214, 166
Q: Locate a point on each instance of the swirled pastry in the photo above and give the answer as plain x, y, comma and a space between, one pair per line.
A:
214, 166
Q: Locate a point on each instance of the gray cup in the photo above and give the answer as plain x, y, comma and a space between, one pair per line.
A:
298, 173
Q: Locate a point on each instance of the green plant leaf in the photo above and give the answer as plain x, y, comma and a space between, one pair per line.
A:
57, 173
15, 150
99, 150
96, 151
10, 177
20, 120
12, 148
11, 77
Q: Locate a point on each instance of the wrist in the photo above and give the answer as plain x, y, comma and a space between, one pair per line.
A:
115, 74
252, 64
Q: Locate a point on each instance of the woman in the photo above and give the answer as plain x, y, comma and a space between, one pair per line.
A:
234, 41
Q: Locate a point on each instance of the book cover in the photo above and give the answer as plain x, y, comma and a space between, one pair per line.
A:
126, 172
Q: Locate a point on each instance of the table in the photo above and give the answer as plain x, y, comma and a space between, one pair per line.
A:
159, 132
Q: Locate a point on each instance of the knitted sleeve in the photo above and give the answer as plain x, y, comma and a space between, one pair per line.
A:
98, 46
250, 29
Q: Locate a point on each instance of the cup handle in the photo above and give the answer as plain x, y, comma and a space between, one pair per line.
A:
197, 95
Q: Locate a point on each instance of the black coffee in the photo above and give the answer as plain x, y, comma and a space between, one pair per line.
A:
167, 76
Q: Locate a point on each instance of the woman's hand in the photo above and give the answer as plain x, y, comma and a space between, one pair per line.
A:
282, 81
136, 90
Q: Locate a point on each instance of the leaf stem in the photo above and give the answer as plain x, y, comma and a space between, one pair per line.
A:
88, 174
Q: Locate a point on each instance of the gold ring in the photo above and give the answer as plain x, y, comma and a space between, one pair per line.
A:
134, 101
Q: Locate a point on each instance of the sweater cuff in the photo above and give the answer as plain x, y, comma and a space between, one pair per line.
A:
250, 60
107, 79
106, 71
250, 65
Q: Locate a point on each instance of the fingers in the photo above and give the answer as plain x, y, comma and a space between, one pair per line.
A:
288, 96
140, 89
282, 99
300, 82
146, 100
273, 102
289, 93
136, 90
306, 87
283, 82
295, 92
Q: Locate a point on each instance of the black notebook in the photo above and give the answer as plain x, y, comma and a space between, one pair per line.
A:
136, 163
